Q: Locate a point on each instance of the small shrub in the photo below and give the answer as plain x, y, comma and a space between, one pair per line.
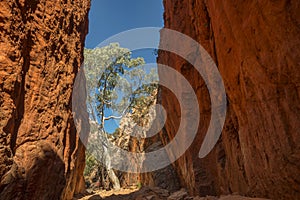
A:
139, 185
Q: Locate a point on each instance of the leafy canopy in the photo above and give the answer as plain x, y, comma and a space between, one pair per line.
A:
117, 82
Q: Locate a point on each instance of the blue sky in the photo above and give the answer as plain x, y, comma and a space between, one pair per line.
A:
110, 17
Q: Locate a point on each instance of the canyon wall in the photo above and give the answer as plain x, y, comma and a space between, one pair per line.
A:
255, 45
41, 156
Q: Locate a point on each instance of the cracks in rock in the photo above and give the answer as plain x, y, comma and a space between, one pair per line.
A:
29, 7
212, 37
19, 88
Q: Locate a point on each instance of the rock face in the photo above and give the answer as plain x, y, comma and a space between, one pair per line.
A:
255, 45
41, 156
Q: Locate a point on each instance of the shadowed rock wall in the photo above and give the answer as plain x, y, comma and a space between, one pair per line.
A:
255, 45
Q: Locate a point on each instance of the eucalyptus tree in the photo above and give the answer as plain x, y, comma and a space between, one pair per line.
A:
116, 84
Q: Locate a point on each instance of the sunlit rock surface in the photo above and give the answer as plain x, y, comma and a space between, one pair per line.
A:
41, 156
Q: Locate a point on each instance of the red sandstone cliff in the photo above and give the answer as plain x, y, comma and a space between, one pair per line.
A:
41, 49
255, 45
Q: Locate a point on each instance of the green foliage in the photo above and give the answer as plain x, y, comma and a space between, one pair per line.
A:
139, 185
103, 67
112, 66
90, 163
119, 83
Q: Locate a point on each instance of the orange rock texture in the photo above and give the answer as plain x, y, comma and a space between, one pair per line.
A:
41, 50
255, 45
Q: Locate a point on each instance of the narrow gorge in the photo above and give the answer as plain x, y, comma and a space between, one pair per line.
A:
255, 46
